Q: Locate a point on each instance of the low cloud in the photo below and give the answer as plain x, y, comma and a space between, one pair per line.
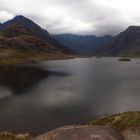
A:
4, 15
97, 17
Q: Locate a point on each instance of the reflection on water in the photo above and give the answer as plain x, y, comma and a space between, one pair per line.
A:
36, 98
21, 78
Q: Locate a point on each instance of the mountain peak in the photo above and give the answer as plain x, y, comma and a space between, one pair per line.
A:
35, 29
19, 16
133, 28
21, 19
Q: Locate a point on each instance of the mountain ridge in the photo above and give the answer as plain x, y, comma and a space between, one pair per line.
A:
36, 31
83, 44
126, 43
19, 19
22, 40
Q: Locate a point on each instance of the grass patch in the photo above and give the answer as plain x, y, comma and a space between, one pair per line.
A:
122, 122
10, 136
15, 56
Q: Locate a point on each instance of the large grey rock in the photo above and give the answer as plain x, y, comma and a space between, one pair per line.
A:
133, 134
82, 132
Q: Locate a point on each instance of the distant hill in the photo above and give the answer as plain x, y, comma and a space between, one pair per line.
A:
32, 26
127, 43
21, 40
15, 30
34, 29
88, 44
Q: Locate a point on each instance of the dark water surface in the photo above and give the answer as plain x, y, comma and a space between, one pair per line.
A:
40, 97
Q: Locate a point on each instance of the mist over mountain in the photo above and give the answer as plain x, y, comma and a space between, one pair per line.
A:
88, 44
127, 43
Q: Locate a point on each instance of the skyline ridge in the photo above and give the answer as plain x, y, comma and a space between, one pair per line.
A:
20, 16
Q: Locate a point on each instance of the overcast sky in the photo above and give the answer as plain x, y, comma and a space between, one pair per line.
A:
98, 17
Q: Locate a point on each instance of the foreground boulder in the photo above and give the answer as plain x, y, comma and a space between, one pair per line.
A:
82, 132
128, 124
132, 134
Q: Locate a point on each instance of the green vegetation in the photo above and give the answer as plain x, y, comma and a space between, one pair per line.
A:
10, 136
122, 122
19, 45
15, 56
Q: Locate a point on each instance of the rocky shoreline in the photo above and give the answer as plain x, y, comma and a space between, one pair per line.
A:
82, 132
125, 126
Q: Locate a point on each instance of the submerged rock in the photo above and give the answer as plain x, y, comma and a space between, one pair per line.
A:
82, 132
124, 59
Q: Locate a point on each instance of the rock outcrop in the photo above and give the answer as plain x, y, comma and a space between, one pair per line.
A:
82, 132
133, 134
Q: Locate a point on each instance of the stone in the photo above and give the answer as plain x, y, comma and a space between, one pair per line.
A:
82, 132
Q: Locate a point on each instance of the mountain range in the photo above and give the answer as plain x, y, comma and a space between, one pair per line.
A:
126, 43
21, 39
87, 45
